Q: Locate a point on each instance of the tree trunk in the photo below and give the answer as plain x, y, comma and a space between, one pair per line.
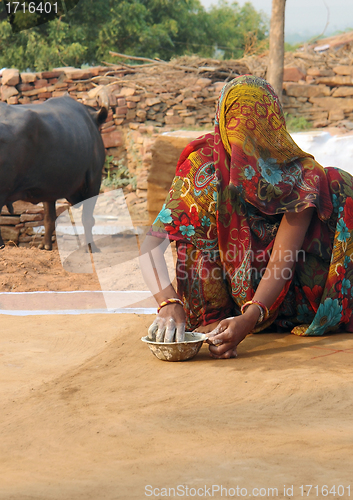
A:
276, 56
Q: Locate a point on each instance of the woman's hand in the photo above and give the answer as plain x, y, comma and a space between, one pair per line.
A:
169, 325
230, 332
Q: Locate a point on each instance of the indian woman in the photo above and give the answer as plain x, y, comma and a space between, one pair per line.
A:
263, 232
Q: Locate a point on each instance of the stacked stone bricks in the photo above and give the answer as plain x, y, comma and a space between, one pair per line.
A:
323, 95
26, 225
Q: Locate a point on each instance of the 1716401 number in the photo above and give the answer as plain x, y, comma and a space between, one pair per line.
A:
325, 491
32, 7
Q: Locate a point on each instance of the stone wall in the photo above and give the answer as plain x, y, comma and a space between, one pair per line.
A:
324, 97
189, 100
25, 226
150, 100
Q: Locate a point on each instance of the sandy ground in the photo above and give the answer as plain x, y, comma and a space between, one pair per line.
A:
31, 269
87, 412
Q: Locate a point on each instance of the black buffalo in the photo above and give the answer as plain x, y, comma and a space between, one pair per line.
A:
49, 151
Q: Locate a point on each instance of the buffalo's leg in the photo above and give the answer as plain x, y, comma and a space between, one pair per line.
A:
49, 224
2, 244
88, 222
10, 209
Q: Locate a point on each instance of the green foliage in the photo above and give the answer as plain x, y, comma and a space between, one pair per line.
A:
233, 28
297, 123
26, 15
108, 165
150, 28
118, 174
44, 47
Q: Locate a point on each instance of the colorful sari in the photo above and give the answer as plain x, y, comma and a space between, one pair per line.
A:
225, 205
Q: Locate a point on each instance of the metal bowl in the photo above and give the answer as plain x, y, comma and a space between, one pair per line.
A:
177, 351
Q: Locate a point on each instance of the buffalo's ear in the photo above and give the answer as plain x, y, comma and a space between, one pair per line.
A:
102, 115
10, 208
99, 116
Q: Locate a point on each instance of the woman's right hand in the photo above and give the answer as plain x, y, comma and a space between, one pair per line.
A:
169, 325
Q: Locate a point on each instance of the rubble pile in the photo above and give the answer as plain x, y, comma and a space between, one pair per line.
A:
167, 94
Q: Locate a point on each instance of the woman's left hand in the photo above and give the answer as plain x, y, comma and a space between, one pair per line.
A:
228, 334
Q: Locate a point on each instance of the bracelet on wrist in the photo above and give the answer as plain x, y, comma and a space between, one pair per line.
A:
173, 300
264, 312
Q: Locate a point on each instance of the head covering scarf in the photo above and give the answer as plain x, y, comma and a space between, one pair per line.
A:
257, 159
254, 153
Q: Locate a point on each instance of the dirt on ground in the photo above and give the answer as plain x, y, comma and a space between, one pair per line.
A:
27, 268
88, 413
31, 269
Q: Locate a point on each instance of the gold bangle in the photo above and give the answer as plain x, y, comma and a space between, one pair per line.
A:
169, 301
264, 312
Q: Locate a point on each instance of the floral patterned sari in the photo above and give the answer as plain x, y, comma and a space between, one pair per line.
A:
225, 205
